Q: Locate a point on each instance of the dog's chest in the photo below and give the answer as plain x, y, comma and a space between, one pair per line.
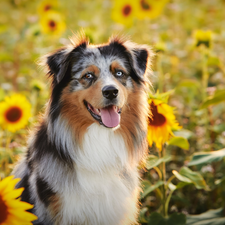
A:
106, 184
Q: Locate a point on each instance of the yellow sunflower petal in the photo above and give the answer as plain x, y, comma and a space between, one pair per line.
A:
23, 215
150, 8
13, 220
19, 204
13, 211
161, 123
52, 23
124, 12
8, 182
13, 194
14, 112
47, 5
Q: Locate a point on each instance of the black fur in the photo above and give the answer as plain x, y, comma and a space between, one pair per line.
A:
44, 191
42, 143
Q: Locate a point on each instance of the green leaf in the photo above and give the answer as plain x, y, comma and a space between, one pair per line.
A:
188, 176
183, 133
218, 97
175, 219
211, 217
148, 187
162, 96
172, 187
179, 142
189, 84
153, 161
181, 185
181, 178
156, 219
213, 61
142, 217
220, 181
195, 177
206, 158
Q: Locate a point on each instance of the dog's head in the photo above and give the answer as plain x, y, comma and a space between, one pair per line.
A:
97, 83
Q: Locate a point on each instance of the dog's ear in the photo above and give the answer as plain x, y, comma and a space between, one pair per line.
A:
58, 63
140, 58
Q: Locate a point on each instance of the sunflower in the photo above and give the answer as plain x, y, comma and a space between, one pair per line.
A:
203, 38
47, 5
150, 8
52, 23
12, 210
161, 123
124, 12
14, 112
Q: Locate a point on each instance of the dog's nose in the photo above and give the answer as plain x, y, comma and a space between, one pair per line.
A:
110, 92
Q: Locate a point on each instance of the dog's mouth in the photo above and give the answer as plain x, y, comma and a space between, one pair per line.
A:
108, 116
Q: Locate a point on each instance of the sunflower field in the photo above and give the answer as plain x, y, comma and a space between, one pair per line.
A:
183, 179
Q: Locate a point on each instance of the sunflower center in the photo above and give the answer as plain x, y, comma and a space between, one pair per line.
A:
126, 10
13, 114
47, 7
201, 42
52, 24
3, 210
145, 5
157, 119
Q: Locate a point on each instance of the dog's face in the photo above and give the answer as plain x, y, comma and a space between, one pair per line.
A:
96, 83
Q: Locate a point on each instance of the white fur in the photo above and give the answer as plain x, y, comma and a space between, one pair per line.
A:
60, 133
106, 186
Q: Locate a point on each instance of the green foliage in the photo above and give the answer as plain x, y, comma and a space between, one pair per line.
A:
218, 97
215, 217
153, 161
148, 187
188, 176
206, 158
175, 219
179, 142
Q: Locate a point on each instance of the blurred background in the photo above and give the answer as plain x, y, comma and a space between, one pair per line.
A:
188, 38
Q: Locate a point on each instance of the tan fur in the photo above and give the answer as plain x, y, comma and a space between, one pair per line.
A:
55, 205
116, 65
138, 114
76, 113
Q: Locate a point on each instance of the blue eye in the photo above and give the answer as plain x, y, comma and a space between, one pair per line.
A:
119, 73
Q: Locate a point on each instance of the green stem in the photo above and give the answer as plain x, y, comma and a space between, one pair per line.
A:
160, 72
205, 74
205, 79
167, 202
163, 170
170, 179
158, 171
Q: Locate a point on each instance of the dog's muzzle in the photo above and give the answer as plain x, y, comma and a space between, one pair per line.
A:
109, 116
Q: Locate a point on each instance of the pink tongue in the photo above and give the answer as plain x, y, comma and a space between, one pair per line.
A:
109, 116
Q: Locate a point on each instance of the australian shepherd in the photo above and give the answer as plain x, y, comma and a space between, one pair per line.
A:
81, 163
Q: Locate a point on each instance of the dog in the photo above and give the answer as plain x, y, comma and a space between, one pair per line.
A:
82, 158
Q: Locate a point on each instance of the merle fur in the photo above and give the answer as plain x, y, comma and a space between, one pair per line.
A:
59, 65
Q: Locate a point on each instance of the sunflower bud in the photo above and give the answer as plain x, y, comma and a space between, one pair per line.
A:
203, 38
